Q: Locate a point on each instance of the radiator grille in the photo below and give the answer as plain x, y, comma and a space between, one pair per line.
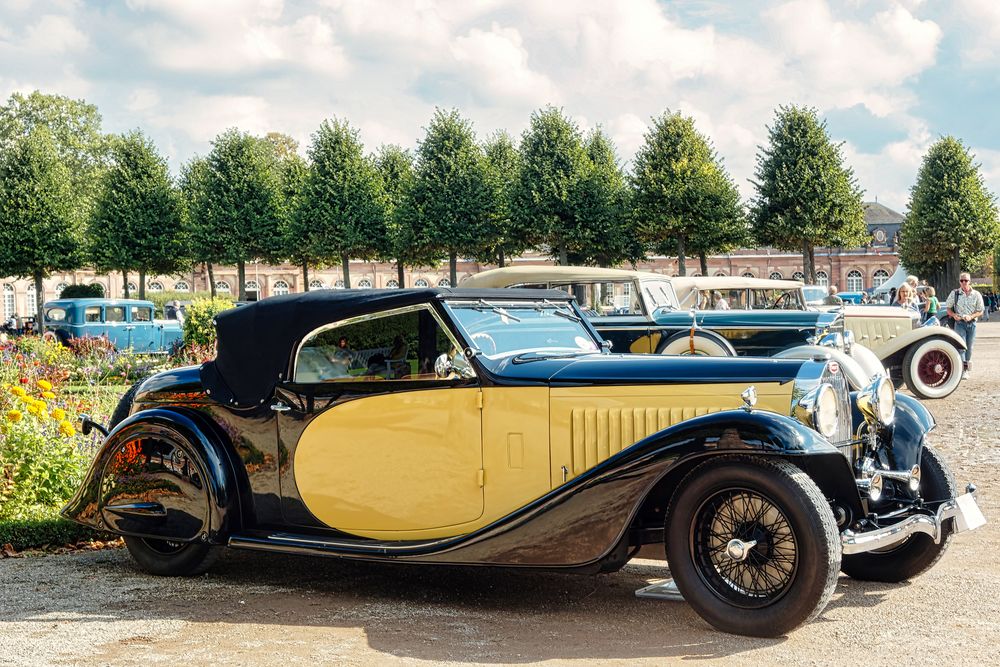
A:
600, 433
838, 381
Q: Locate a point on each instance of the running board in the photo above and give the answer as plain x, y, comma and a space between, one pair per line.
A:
343, 547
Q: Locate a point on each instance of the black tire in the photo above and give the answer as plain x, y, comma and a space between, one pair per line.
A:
706, 343
172, 559
919, 553
932, 368
794, 565
124, 406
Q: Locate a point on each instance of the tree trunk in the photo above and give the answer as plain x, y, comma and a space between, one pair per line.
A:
142, 283
703, 258
681, 260
501, 259
241, 278
808, 270
305, 276
39, 302
346, 263
211, 278
812, 262
453, 268
125, 283
400, 274
563, 259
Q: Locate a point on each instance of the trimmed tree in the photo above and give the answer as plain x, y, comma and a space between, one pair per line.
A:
952, 222
451, 207
203, 245
40, 224
683, 200
341, 204
553, 161
243, 202
395, 167
806, 197
136, 223
503, 162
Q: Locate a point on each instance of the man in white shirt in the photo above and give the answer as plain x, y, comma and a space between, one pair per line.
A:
965, 306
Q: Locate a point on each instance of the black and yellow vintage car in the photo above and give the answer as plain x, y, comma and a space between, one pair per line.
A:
493, 427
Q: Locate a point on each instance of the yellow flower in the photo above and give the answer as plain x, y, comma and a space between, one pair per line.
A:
43, 415
48, 394
17, 391
14, 415
44, 385
33, 409
66, 429
59, 414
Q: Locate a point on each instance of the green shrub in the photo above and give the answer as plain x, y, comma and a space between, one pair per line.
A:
198, 320
160, 299
92, 291
42, 527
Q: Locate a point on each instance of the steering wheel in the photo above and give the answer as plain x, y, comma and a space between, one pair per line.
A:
483, 336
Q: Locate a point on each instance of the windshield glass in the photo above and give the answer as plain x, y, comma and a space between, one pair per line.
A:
509, 328
658, 294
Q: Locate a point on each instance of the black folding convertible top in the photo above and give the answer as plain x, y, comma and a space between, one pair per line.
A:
256, 341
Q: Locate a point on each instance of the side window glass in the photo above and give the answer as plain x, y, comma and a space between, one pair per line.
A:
114, 313
141, 314
55, 314
92, 314
401, 346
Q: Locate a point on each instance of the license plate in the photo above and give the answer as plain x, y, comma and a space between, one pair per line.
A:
969, 515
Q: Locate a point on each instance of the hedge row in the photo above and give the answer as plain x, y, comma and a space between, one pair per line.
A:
40, 531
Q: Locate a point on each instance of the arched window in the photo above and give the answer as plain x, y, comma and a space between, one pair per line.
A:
253, 290
748, 274
879, 277
855, 281
132, 288
181, 286
338, 284
316, 284
155, 286
59, 289
798, 275
696, 275
775, 275
30, 299
444, 282
420, 282
222, 286
822, 278
364, 283
9, 306
279, 287
392, 283
720, 273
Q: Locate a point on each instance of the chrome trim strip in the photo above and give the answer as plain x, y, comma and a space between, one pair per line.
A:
881, 538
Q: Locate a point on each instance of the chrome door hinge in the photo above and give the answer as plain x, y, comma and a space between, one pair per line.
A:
481, 478
280, 407
479, 399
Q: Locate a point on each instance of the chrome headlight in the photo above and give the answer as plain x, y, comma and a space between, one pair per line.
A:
877, 402
818, 409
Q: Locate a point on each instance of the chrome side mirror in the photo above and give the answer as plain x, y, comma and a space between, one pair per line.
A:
443, 367
446, 367
606, 346
694, 318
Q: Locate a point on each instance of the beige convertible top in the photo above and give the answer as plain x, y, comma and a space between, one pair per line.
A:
533, 274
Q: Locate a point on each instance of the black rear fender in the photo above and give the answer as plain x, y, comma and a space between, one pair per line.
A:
162, 473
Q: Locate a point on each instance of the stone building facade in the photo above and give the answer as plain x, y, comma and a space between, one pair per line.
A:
849, 269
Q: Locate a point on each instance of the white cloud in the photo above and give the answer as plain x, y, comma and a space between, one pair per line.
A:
980, 25
142, 99
54, 34
495, 63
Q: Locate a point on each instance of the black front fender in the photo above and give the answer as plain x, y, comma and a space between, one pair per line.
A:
907, 434
164, 474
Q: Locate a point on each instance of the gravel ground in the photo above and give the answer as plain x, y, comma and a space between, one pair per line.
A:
96, 608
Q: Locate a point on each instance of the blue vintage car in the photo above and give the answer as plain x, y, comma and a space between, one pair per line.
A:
128, 323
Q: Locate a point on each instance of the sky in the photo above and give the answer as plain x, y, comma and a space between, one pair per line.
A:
889, 77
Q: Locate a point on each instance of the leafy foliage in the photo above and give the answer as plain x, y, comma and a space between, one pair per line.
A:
952, 216
553, 161
341, 211
91, 291
806, 197
503, 162
136, 225
683, 199
199, 327
394, 166
451, 207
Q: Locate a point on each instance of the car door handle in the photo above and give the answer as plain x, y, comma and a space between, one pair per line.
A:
280, 407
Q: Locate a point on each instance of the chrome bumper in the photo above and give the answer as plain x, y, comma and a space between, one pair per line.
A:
963, 509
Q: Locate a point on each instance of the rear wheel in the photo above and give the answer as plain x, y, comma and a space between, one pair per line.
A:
752, 545
701, 343
124, 406
918, 553
933, 368
172, 559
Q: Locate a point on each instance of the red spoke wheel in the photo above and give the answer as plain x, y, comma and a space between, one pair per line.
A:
932, 368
